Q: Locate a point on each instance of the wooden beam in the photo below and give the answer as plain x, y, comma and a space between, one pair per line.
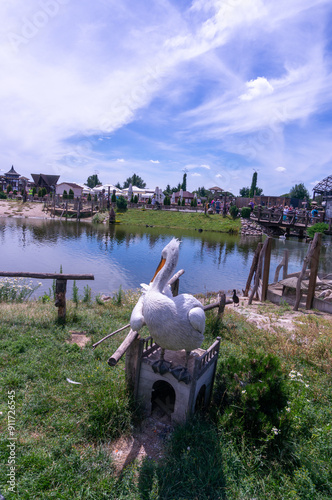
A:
314, 262
47, 275
132, 335
253, 268
266, 269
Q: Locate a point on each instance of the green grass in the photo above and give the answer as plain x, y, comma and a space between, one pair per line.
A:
179, 220
64, 430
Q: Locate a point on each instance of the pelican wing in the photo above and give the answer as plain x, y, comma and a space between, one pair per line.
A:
137, 318
196, 318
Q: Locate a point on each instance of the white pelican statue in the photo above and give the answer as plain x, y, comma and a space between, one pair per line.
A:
175, 323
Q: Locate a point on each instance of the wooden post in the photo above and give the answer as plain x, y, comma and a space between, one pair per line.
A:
266, 269
60, 298
314, 262
253, 268
132, 363
258, 272
283, 264
222, 304
307, 259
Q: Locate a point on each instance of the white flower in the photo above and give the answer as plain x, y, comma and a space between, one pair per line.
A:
275, 430
243, 392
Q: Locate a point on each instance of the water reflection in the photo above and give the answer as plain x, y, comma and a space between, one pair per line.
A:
127, 256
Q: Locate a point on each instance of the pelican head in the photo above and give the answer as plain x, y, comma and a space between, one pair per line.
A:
167, 265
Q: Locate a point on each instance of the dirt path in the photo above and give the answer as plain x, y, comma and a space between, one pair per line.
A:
19, 209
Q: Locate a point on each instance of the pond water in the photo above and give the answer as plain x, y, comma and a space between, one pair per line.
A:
123, 256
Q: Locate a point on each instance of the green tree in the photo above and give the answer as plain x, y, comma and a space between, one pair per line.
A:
9, 188
134, 180
299, 191
121, 204
253, 186
71, 194
93, 181
244, 192
184, 182
64, 194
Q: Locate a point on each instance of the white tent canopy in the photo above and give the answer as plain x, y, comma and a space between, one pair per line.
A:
98, 189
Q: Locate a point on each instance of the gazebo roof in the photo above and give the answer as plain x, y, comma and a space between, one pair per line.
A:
12, 171
324, 186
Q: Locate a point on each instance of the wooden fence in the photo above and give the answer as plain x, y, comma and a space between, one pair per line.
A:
60, 285
261, 266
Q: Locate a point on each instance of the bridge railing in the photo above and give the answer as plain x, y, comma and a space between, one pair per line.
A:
277, 216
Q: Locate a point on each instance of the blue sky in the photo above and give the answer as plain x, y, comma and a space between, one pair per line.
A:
216, 89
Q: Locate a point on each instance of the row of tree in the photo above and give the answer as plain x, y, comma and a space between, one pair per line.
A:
298, 191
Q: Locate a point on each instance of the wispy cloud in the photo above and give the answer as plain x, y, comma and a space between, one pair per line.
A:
216, 87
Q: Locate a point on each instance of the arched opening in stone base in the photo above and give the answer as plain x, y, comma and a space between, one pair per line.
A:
162, 399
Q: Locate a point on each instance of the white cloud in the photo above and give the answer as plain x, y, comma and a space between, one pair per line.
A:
280, 169
257, 88
196, 174
120, 160
206, 166
154, 161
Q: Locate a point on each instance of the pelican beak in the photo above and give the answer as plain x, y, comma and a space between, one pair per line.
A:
160, 266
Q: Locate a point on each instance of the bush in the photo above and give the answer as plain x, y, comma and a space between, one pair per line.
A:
113, 198
251, 396
64, 194
121, 204
320, 227
9, 188
71, 194
136, 199
233, 210
245, 212
3, 195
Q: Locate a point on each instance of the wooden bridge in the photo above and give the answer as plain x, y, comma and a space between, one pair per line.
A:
276, 219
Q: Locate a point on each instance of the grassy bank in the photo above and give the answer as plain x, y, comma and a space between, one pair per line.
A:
180, 220
239, 450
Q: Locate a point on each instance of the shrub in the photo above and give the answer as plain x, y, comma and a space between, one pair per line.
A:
89, 196
113, 198
121, 204
135, 198
3, 195
245, 212
233, 210
71, 194
320, 227
251, 395
64, 194
9, 188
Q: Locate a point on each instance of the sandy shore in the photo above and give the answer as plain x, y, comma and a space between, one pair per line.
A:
19, 209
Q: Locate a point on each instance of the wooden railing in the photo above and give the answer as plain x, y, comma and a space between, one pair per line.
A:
60, 285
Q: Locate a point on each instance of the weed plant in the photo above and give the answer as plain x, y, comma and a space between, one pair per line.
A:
16, 289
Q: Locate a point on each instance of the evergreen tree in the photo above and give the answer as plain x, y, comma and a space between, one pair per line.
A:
93, 181
184, 182
134, 180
